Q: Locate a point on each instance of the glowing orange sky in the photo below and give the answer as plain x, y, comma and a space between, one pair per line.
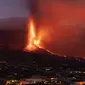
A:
63, 27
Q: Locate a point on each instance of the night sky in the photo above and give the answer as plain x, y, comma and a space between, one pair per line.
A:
13, 8
62, 23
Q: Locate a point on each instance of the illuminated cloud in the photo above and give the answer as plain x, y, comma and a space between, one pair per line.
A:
63, 23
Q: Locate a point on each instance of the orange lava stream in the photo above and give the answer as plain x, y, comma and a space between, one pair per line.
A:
33, 41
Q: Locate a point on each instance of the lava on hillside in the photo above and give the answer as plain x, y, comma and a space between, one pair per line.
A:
33, 41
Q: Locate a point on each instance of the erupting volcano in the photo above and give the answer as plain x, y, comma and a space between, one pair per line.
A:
33, 41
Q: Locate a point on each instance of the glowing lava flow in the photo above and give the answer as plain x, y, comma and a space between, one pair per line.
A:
33, 41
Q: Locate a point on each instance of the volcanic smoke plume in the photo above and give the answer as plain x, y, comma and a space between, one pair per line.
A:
61, 26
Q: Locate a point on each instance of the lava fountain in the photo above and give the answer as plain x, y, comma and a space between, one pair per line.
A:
32, 41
